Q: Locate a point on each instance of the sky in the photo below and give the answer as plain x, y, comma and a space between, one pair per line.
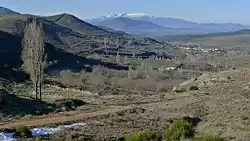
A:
219, 11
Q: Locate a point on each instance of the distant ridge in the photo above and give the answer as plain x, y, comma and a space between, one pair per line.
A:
70, 33
173, 26
129, 25
76, 24
4, 10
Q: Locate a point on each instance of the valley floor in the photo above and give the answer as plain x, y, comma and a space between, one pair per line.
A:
221, 105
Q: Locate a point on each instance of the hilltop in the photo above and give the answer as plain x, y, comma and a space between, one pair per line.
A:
78, 25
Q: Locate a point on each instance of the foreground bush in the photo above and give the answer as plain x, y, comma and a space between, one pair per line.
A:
23, 131
146, 135
182, 90
193, 88
178, 130
209, 137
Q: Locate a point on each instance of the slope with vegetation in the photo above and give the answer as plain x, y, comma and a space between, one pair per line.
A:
76, 24
60, 33
64, 41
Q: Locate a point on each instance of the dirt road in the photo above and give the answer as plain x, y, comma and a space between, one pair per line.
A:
61, 118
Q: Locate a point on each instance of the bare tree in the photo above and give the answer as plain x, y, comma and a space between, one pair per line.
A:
117, 43
125, 59
105, 44
133, 56
118, 58
33, 55
19, 26
91, 42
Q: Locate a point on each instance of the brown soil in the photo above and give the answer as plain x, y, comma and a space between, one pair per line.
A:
60, 118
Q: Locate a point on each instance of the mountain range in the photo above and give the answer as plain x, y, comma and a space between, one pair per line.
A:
140, 23
68, 31
146, 25
67, 40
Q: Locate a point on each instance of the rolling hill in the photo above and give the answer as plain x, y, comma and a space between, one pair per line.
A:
113, 30
10, 62
56, 35
70, 33
76, 24
64, 42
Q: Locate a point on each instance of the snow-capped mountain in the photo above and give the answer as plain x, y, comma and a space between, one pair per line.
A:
117, 15
131, 15
130, 26
127, 15
114, 15
172, 25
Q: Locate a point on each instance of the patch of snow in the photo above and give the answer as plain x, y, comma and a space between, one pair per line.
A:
7, 136
117, 15
136, 15
36, 132
170, 68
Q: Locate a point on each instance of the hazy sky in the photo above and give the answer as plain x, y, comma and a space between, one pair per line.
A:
194, 10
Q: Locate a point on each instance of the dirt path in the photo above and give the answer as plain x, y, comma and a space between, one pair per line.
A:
61, 118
